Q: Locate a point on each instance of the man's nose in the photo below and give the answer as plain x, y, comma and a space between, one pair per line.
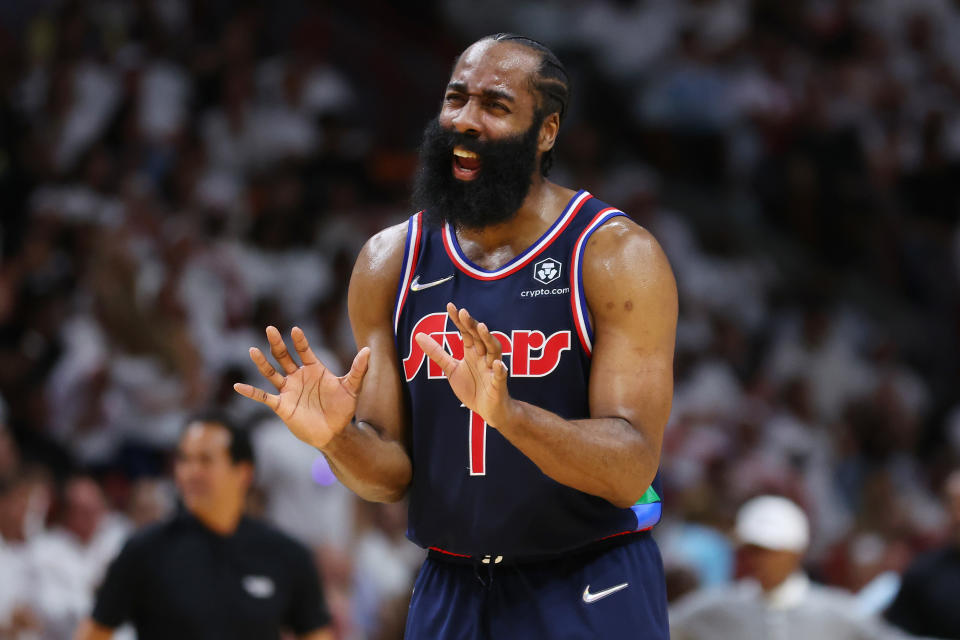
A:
467, 119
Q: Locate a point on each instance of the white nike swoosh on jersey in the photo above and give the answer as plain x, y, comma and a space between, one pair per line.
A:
416, 286
593, 597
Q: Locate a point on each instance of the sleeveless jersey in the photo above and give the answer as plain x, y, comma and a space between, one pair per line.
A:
472, 492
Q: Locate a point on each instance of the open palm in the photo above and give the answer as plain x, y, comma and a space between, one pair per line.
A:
314, 403
479, 380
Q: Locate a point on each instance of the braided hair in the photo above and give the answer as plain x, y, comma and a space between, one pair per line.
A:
551, 83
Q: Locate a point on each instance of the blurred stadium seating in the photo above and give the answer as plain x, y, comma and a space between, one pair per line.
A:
177, 174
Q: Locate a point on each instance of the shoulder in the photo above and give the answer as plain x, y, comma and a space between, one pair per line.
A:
838, 606
377, 269
623, 267
146, 546
384, 250
152, 535
930, 562
620, 243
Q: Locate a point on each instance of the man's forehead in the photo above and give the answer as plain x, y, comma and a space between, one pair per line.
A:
205, 434
503, 64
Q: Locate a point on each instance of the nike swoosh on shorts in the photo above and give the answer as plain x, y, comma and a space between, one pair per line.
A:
593, 597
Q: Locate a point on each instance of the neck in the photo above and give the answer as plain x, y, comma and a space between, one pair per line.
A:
789, 592
542, 206
223, 520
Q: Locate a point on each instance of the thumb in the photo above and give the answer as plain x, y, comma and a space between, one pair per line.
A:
435, 352
499, 373
354, 378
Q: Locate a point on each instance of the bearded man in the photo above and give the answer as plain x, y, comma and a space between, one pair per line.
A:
514, 375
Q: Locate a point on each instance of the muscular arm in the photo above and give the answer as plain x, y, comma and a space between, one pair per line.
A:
90, 630
632, 298
370, 456
614, 454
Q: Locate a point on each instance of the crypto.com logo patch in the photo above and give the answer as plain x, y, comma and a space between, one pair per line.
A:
546, 271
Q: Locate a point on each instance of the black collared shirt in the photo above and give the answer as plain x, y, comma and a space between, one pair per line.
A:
178, 579
929, 594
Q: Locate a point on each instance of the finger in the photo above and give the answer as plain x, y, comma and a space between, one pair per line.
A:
266, 369
279, 350
492, 345
259, 395
454, 314
467, 321
479, 348
468, 328
436, 353
354, 378
468, 338
471, 326
462, 319
302, 346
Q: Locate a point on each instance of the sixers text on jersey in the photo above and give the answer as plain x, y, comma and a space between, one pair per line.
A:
531, 354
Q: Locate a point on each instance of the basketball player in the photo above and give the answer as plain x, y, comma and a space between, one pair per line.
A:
514, 376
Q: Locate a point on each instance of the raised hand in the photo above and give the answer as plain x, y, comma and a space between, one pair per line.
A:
480, 379
315, 404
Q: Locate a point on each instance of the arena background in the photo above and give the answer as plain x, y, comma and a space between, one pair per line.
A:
177, 174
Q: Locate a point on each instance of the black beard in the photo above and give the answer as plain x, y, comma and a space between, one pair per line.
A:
494, 196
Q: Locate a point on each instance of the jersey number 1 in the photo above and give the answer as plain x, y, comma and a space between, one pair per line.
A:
478, 445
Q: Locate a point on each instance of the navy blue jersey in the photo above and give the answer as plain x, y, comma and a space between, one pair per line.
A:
472, 492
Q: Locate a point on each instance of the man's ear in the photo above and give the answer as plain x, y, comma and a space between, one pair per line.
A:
247, 471
548, 132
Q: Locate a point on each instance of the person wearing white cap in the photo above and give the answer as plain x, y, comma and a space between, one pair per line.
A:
775, 600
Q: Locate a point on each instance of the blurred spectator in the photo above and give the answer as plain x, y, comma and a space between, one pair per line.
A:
926, 604
386, 565
817, 351
71, 559
696, 550
151, 500
209, 570
24, 503
303, 497
775, 598
17, 613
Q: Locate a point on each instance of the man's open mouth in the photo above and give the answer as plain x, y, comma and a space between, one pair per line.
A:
466, 164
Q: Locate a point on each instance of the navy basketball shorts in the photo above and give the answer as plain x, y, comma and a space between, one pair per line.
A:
614, 592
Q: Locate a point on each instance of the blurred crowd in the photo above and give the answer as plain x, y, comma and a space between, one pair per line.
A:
177, 174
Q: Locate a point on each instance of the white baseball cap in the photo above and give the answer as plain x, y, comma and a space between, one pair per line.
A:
773, 522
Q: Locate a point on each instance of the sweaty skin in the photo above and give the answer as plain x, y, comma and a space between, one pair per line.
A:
631, 296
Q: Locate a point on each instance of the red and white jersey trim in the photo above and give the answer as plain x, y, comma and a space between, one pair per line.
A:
581, 317
522, 260
411, 255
